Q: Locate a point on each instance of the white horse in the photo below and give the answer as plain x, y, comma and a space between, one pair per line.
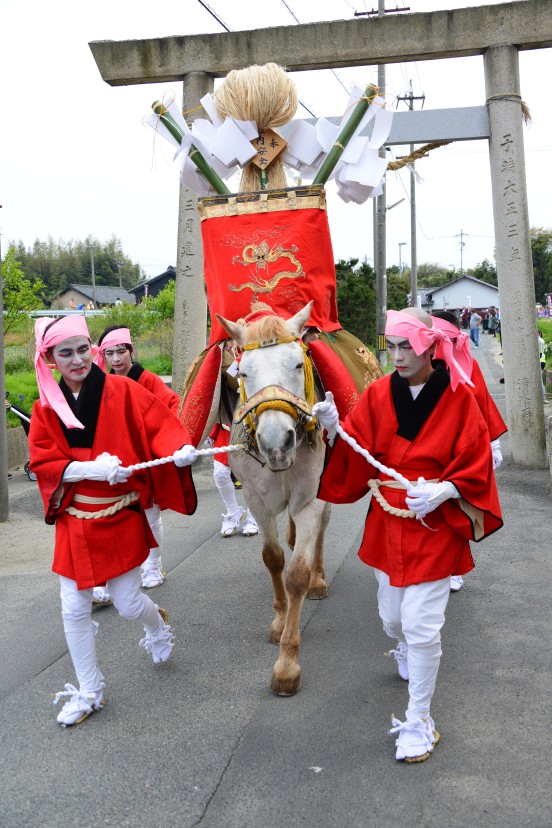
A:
281, 469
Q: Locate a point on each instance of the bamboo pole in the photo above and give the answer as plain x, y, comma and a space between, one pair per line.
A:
214, 180
346, 134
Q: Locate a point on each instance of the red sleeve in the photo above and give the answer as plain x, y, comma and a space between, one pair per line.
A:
471, 471
346, 472
487, 405
173, 487
159, 389
49, 460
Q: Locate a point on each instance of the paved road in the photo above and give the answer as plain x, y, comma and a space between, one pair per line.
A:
201, 741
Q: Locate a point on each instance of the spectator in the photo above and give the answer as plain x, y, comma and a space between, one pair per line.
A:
475, 327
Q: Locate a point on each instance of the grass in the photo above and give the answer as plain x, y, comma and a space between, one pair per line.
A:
545, 328
23, 391
21, 378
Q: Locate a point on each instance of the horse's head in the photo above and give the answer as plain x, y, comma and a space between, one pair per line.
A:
272, 354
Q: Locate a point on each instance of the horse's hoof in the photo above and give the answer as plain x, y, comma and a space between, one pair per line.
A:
316, 593
286, 685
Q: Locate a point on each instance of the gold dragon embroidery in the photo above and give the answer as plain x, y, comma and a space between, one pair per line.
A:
260, 256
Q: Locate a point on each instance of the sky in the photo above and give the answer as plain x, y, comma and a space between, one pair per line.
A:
77, 160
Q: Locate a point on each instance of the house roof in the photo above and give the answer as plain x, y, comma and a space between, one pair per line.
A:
459, 279
170, 271
105, 295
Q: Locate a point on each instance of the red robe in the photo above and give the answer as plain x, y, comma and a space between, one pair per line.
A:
440, 435
491, 414
125, 420
155, 386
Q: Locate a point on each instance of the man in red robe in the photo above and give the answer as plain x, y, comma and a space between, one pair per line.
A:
116, 352
412, 422
447, 322
81, 433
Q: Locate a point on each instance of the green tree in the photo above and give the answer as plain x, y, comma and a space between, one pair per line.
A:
59, 263
541, 251
163, 303
397, 291
485, 271
356, 298
432, 275
20, 294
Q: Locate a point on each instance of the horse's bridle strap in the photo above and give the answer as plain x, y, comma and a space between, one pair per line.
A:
270, 394
269, 343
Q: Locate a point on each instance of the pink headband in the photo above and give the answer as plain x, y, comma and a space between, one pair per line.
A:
461, 347
421, 338
121, 336
51, 395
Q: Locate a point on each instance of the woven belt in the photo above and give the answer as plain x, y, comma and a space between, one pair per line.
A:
375, 485
117, 503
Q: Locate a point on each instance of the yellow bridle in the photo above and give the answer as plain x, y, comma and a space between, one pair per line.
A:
281, 405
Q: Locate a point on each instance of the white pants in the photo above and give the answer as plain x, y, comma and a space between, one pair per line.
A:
415, 615
80, 630
156, 525
223, 482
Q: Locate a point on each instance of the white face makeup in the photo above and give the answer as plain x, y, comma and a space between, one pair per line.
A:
413, 368
73, 359
119, 359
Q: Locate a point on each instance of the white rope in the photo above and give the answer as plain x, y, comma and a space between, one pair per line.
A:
160, 461
372, 460
385, 469
240, 446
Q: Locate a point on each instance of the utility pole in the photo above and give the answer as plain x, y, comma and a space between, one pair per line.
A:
401, 244
380, 211
91, 248
4, 497
380, 237
461, 234
409, 97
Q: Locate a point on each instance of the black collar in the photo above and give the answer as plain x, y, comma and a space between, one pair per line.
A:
86, 408
135, 372
412, 413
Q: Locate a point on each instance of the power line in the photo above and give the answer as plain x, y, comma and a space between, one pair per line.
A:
219, 20
334, 73
213, 13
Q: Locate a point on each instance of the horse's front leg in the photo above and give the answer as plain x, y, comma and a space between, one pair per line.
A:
274, 560
318, 587
286, 675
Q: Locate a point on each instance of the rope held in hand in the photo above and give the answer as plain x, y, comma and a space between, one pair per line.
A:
160, 461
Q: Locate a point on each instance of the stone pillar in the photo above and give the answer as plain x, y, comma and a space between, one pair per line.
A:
190, 306
525, 414
549, 428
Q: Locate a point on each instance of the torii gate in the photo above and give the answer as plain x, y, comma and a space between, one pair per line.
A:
497, 32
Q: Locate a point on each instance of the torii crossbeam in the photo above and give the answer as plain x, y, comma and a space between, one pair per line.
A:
496, 32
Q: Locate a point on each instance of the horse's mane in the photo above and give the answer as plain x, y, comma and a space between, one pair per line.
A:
269, 327
266, 327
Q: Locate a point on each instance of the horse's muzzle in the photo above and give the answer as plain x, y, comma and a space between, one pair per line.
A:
278, 449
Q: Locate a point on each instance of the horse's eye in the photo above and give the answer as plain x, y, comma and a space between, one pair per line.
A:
242, 375
299, 366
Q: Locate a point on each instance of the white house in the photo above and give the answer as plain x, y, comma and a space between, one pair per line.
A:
464, 292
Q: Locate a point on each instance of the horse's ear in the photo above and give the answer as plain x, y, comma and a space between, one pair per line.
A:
297, 323
234, 330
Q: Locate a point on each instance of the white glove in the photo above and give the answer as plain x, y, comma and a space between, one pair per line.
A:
497, 454
208, 443
185, 456
327, 415
425, 497
105, 467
